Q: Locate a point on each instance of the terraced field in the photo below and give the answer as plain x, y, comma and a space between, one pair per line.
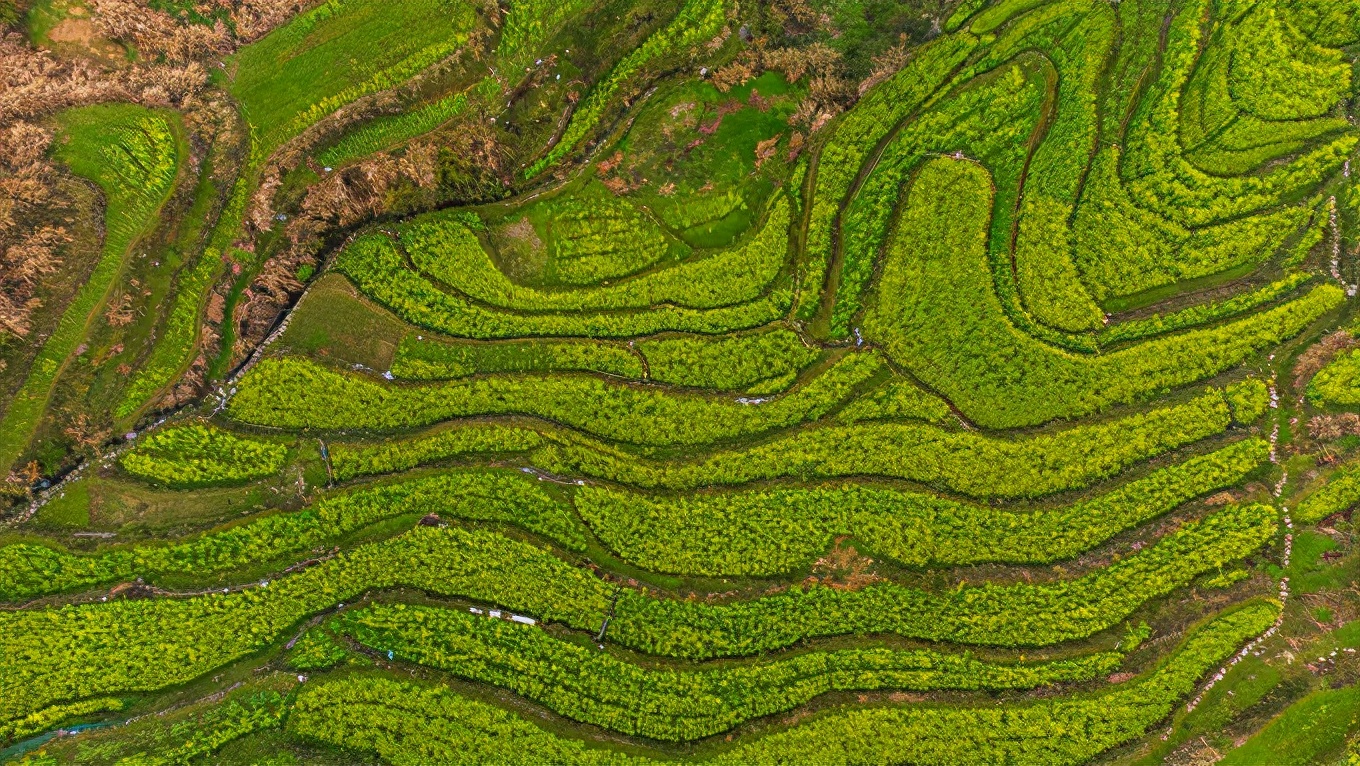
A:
928, 383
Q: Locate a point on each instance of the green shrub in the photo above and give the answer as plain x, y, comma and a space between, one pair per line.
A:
1341, 491
1337, 384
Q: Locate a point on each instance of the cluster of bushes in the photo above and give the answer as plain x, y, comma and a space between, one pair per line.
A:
676, 704
770, 531
199, 454
408, 722
294, 393
938, 315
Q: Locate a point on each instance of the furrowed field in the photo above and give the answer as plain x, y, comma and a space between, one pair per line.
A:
634, 381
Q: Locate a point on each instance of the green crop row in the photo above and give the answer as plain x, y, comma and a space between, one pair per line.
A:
853, 138
594, 235
68, 653
897, 399
991, 115
1219, 137
461, 439
1123, 249
408, 724
771, 531
1340, 493
197, 454
177, 736
938, 316
529, 24
1203, 313
1162, 180
1017, 614
444, 247
697, 22
668, 704
961, 461
377, 268
389, 130
134, 155
419, 358
336, 53
1337, 384
729, 363
179, 338
297, 394
964, 461
49, 718
1046, 276
1279, 74
29, 570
